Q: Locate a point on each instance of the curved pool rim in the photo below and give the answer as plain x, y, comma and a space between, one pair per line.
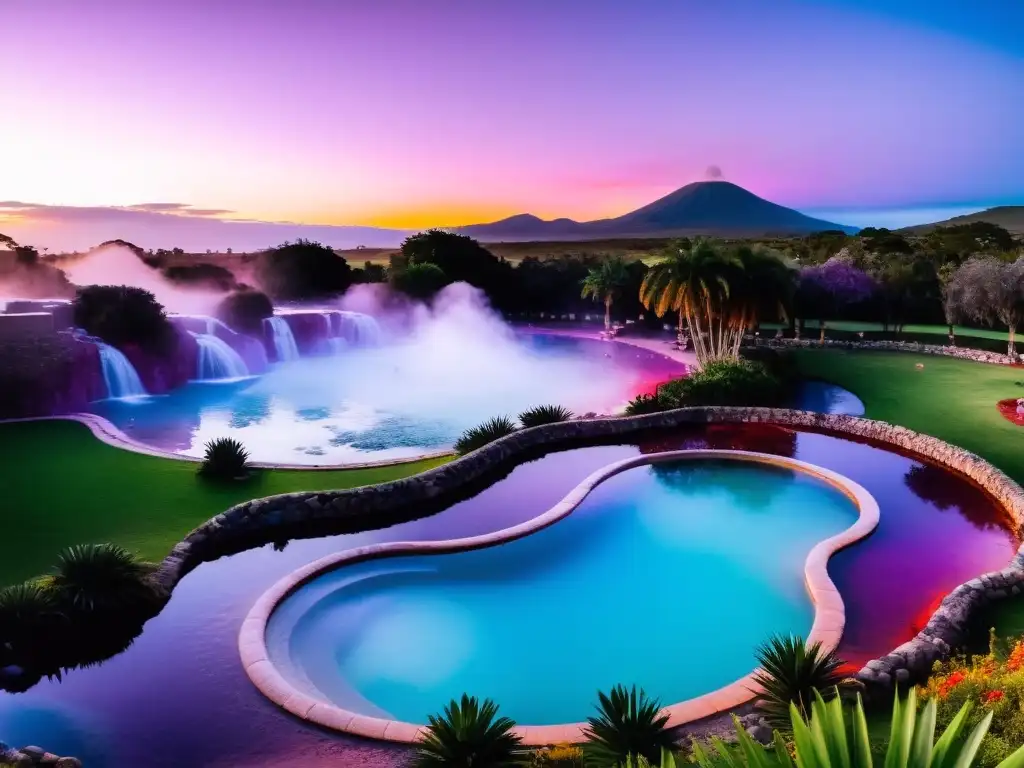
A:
827, 627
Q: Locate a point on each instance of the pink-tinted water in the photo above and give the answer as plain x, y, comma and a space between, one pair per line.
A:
179, 697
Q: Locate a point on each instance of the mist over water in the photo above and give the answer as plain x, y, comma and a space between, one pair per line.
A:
117, 265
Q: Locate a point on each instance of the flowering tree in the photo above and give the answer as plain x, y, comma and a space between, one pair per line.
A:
826, 289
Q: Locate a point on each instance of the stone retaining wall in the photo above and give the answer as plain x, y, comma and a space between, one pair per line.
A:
269, 519
964, 353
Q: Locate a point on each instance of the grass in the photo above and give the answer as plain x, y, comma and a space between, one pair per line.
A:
853, 326
60, 486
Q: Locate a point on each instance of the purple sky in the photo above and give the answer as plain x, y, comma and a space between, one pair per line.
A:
405, 113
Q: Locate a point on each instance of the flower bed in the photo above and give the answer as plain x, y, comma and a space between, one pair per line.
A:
1009, 409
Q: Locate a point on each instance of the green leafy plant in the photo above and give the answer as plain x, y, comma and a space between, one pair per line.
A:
724, 382
544, 414
100, 579
28, 612
245, 311
644, 404
488, 432
791, 672
225, 459
628, 724
124, 315
558, 756
828, 739
469, 735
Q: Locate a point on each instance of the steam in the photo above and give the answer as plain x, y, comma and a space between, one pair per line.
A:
713, 173
456, 361
117, 265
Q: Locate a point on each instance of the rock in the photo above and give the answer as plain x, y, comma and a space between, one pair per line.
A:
68, 762
49, 759
761, 734
36, 753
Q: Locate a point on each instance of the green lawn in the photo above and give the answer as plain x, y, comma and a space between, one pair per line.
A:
854, 326
59, 486
952, 399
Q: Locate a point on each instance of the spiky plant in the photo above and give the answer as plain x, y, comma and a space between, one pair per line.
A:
544, 414
628, 724
225, 459
469, 735
828, 740
488, 432
100, 579
791, 672
28, 613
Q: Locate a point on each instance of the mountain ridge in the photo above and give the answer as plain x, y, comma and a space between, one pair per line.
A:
702, 207
1009, 217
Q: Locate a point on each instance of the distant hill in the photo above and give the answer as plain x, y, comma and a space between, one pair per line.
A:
1009, 217
705, 207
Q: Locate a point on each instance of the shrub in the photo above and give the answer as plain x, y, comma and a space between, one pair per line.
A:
303, 270
558, 756
121, 314
994, 683
28, 613
828, 739
100, 579
628, 724
724, 382
225, 459
245, 310
468, 735
202, 275
643, 404
792, 672
544, 414
488, 432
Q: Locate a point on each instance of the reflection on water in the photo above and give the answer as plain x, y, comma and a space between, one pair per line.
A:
179, 697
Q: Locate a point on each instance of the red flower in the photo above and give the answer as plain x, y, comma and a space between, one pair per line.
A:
993, 697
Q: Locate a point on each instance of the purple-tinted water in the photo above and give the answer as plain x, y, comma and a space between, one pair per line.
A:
179, 696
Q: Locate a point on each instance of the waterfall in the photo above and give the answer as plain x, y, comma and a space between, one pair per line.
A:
358, 330
119, 374
217, 359
281, 335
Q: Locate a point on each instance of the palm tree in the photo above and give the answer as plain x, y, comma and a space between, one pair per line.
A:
469, 735
720, 292
604, 283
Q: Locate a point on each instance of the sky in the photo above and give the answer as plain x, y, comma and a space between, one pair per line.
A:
162, 121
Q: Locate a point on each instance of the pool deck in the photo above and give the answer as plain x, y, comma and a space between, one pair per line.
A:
827, 629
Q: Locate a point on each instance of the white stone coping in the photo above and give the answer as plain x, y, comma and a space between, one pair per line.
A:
827, 628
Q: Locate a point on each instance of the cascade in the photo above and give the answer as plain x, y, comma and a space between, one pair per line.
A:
359, 330
119, 374
217, 359
282, 338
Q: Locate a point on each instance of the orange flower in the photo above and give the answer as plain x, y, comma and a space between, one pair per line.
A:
950, 683
1015, 662
993, 697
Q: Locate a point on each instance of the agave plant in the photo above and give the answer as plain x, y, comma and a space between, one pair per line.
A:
28, 613
828, 740
791, 672
628, 725
469, 735
225, 459
488, 432
100, 578
544, 414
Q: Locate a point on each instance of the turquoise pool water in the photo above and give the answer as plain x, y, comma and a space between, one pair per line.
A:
666, 576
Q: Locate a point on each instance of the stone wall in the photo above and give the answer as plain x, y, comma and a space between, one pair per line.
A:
964, 353
21, 324
270, 519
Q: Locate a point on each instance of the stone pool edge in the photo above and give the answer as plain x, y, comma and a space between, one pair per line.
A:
827, 627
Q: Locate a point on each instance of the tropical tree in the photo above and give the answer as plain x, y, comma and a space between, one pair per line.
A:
604, 283
991, 291
826, 289
720, 293
468, 735
950, 298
